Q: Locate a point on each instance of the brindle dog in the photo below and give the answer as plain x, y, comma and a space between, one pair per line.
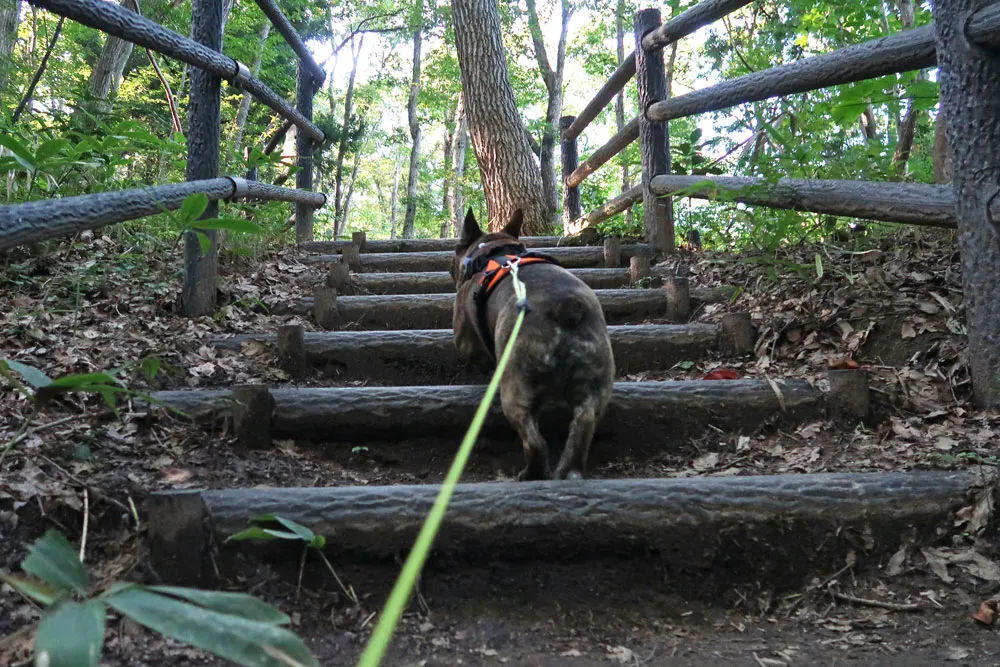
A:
562, 356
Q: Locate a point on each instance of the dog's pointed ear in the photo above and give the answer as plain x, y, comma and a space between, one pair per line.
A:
470, 230
513, 227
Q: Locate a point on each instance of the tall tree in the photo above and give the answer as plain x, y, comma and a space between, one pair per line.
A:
448, 189
553, 79
620, 10
106, 76
411, 114
244, 109
511, 177
345, 134
10, 10
461, 144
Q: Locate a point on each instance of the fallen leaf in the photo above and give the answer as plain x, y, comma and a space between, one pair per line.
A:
722, 374
620, 654
706, 461
987, 612
176, 475
842, 363
908, 331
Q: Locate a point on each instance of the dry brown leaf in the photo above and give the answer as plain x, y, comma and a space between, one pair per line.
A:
987, 612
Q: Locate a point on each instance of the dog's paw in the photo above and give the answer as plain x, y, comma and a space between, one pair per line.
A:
530, 474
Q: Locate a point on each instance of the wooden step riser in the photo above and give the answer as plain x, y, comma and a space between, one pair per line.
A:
427, 245
389, 262
702, 534
393, 312
428, 356
642, 418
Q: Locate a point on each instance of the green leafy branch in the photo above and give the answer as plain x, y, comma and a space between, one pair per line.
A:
234, 626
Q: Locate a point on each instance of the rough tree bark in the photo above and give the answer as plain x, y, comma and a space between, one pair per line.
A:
411, 114
907, 128
970, 100
458, 161
942, 157
553, 79
338, 178
511, 178
244, 110
9, 12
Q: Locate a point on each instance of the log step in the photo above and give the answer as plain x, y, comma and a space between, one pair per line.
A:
427, 245
392, 312
706, 532
436, 282
427, 356
642, 416
570, 257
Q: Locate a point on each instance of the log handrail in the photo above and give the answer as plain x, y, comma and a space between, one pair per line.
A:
292, 37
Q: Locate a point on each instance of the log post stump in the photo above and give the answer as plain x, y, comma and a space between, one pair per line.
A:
639, 268
339, 278
351, 256
612, 252
180, 541
849, 397
360, 239
253, 406
738, 335
292, 349
678, 292
325, 307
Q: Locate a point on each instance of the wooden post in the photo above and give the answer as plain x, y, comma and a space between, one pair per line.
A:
325, 307
678, 298
351, 256
970, 100
339, 277
180, 539
253, 406
360, 239
200, 269
849, 397
654, 141
304, 90
292, 349
612, 252
639, 268
738, 333
570, 160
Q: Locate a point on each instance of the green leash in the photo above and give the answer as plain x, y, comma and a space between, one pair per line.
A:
378, 643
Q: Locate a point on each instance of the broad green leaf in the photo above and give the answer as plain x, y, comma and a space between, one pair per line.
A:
258, 533
71, 635
31, 375
203, 241
71, 382
54, 560
150, 366
21, 152
193, 206
49, 149
241, 640
300, 530
231, 224
819, 267
37, 590
236, 604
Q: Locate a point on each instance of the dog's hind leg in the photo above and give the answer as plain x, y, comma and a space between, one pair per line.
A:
536, 450
573, 461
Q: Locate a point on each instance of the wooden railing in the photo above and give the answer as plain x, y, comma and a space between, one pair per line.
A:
40, 220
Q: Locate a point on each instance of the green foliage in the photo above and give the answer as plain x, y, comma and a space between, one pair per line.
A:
234, 626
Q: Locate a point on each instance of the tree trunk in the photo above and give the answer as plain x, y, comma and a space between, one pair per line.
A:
620, 104
449, 176
906, 129
106, 76
244, 109
394, 203
942, 156
9, 12
338, 194
411, 113
458, 160
553, 79
511, 178
350, 191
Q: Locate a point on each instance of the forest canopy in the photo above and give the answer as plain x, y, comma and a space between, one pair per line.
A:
83, 113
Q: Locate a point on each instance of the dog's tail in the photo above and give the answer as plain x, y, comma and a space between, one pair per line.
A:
570, 311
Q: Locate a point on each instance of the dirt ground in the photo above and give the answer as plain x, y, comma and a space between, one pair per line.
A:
891, 305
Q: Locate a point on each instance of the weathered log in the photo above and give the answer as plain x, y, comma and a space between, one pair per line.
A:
615, 145
424, 245
570, 257
570, 160
639, 269
912, 203
292, 355
428, 356
180, 539
612, 252
643, 417
752, 526
436, 282
434, 311
619, 204
360, 239
252, 407
678, 291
